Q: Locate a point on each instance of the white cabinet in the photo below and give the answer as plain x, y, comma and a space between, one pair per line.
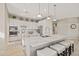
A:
47, 27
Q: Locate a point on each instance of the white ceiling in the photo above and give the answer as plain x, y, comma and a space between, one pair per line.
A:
63, 10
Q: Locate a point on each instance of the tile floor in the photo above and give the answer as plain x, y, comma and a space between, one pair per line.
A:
12, 52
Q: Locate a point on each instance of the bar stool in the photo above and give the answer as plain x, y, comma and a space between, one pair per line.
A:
72, 45
59, 48
68, 47
46, 52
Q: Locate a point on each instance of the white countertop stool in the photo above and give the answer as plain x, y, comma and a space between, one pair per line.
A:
59, 48
72, 45
67, 44
46, 52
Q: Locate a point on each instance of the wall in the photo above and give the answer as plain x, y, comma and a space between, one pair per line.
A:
2, 26
63, 27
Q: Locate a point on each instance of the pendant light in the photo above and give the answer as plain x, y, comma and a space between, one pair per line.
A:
54, 18
48, 12
39, 14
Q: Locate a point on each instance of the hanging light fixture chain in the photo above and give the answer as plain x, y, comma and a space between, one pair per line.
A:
48, 9
39, 8
54, 10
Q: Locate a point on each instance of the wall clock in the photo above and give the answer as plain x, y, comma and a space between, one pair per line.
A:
73, 26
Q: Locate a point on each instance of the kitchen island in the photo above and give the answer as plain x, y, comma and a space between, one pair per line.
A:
35, 43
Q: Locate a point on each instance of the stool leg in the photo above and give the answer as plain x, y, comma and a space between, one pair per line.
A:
69, 50
66, 52
58, 54
61, 54
72, 47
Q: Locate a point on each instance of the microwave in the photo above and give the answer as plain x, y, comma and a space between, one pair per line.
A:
13, 30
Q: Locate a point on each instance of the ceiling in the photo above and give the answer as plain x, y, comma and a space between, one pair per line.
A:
31, 10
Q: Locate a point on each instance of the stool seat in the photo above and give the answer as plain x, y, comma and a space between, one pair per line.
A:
59, 48
72, 45
46, 52
72, 42
65, 43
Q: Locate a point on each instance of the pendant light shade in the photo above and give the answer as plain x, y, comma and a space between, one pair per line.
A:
48, 18
48, 12
54, 18
39, 14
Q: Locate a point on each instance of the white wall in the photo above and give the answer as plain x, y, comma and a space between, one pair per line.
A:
64, 28
2, 26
